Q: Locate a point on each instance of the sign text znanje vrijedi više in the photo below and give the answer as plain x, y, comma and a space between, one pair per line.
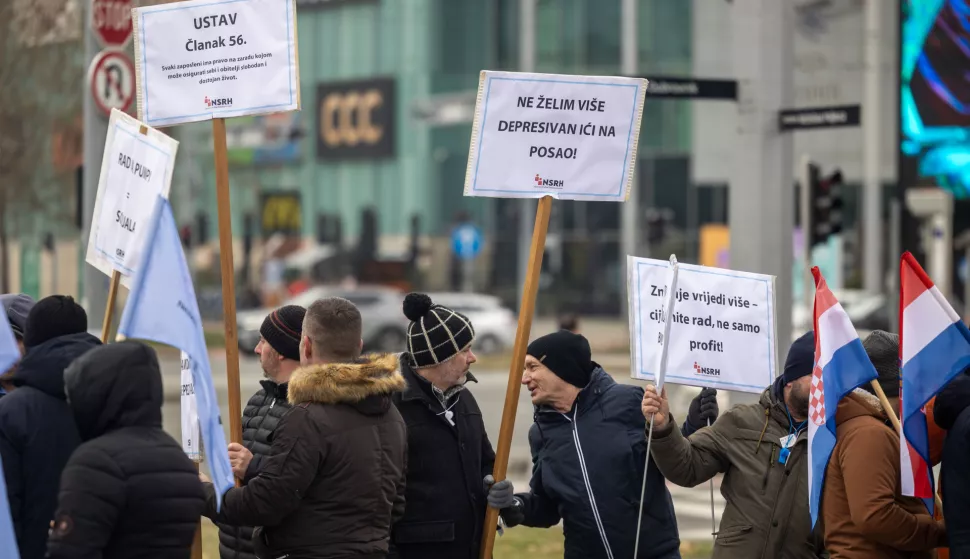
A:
569, 137
200, 60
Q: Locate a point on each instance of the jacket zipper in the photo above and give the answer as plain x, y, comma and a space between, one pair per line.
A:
273, 403
589, 487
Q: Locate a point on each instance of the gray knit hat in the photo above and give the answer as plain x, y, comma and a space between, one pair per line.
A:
883, 350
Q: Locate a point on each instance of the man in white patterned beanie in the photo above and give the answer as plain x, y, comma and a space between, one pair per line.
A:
449, 454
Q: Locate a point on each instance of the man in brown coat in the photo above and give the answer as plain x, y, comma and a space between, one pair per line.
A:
864, 513
333, 483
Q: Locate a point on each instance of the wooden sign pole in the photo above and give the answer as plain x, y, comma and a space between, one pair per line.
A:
109, 309
228, 278
526, 311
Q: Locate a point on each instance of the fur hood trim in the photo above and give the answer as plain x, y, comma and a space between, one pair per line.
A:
347, 383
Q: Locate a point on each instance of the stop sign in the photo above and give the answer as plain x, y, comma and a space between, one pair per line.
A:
111, 21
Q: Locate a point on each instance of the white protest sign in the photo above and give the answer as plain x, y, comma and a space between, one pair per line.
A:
191, 436
135, 170
215, 59
663, 337
722, 325
569, 137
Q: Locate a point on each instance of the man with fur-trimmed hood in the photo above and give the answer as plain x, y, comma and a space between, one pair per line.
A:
450, 455
333, 482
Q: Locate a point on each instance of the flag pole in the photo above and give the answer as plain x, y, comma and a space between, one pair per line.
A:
221, 162
526, 312
896, 425
109, 309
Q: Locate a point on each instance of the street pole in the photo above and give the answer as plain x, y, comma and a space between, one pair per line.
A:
527, 63
629, 66
94, 296
805, 211
760, 195
873, 272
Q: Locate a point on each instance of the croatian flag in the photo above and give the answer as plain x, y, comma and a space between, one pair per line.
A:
841, 365
934, 347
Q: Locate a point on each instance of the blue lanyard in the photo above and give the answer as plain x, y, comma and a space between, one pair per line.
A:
792, 429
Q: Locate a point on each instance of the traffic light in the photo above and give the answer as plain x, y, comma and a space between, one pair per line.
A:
826, 204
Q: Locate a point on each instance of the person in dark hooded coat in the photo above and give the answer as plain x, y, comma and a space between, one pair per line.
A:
128, 491
952, 413
37, 431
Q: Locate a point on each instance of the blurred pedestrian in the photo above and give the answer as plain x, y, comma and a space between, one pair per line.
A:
864, 513
588, 457
16, 307
449, 453
129, 490
37, 430
333, 482
279, 355
569, 322
762, 450
952, 413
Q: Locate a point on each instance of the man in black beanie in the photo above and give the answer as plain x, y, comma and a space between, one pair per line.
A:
449, 454
588, 456
37, 430
762, 450
279, 355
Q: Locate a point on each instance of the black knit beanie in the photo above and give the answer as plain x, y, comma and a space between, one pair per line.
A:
52, 317
883, 350
801, 358
282, 330
566, 354
436, 333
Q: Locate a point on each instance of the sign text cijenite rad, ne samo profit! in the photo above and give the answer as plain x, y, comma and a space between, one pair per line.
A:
204, 59
569, 137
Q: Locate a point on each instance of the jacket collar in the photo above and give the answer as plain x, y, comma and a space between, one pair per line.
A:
346, 383
859, 403
273, 389
418, 387
599, 382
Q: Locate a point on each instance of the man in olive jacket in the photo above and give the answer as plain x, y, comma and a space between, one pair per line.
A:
762, 450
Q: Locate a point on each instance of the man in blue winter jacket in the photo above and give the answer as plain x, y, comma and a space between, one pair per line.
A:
588, 455
37, 430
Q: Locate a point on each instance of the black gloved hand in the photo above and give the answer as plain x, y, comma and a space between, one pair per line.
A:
501, 496
703, 408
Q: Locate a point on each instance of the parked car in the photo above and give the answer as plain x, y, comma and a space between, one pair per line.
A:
384, 328
494, 323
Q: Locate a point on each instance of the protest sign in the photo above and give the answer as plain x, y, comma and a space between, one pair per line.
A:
722, 325
568, 137
208, 59
191, 437
137, 167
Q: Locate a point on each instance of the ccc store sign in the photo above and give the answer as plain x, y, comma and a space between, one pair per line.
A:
356, 119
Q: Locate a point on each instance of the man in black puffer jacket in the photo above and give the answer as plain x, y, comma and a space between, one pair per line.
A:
279, 356
128, 491
449, 454
952, 413
588, 455
37, 431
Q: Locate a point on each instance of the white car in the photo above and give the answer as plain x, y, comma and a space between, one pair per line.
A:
494, 323
384, 323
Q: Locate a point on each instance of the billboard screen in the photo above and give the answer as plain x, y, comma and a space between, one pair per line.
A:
935, 95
